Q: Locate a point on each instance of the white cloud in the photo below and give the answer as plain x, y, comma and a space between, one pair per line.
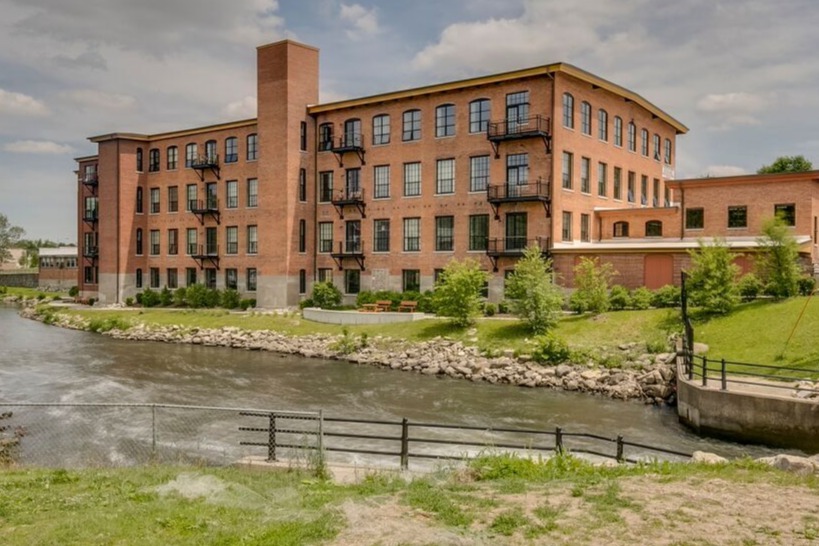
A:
20, 104
99, 99
724, 170
364, 21
37, 147
728, 110
242, 109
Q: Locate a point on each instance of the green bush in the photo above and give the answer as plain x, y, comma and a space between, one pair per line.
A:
101, 325
41, 296
591, 280
534, 296
139, 298
425, 301
326, 295
129, 302
503, 307
230, 299
92, 301
749, 287
667, 296
150, 298
777, 262
74, 291
307, 302
550, 349
166, 297
179, 297
641, 298
3, 290
458, 293
619, 298
213, 298
806, 285
712, 281
247, 303
196, 296
368, 296
489, 309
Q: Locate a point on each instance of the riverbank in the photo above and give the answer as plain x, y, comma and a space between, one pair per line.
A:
640, 376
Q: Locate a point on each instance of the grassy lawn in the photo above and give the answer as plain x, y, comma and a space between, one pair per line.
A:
497, 499
29, 292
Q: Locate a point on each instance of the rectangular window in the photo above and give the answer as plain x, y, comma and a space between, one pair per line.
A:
381, 235
251, 279
381, 182
252, 192
585, 235
302, 281
232, 189
252, 239
154, 242
211, 241
325, 274
252, 147
444, 231
567, 226
655, 196
381, 129
412, 179
602, 182
656, 141
585, 177
211, 197
517, 173
479, 115
138, 279
153, 160
139, 159
231, 278
303, 136
190, 276
352, 237
738, 217
412, 126
668, 151
787, 213
517, 231
643, 190
445, 120
89, 275
231, 150
478, 231
173, 157
191, 195
210, 277
352, 281
172, 279
478, 173
173, 198
632, 183
411, 280
190, 155
412, 234
618, 183
139, 201
325, 137
154, 196
302, 185
154, 277
517, 110
445, 180
325, 233
302, 235
232, 239
694, 218
568, 160
352, 184
173, 242
325, 187
191, 241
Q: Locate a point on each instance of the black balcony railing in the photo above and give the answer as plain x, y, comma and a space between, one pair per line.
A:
349, 142
515, 245
350, 247
207, 161
90, 251
540, 190
90, 179
514, 128
211, 204
348, 196
206, 251
90, 216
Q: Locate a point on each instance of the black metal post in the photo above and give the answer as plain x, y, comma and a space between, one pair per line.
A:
705, 371
558, 440
404, 443
724, 378
619, 449
271, 438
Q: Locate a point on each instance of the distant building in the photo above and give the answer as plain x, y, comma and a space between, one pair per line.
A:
58, 268
13, 262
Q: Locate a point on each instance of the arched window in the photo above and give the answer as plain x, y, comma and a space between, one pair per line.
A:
381, 129
139, 159
618, 131
603, 125
568, 111
654, 228
632, 137
644, 141
210, 151
412, 125
139, 278
445, 120
668, 151
352, 132
325, 136
139, 200
621, 229
585, 118
231, 150
479, 115
190, 154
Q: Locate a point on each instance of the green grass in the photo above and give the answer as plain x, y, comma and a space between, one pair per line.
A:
29, 292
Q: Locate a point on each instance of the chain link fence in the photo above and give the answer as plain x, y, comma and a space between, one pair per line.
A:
100, 435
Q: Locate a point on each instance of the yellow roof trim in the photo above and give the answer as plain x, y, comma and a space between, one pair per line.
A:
86, 158
174, 134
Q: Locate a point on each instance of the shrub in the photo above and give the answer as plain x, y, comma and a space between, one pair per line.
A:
458, 293
41, 296
503, 307
777, 262
179, 297
667, 296
619, 298
213, 298
749, 287
166, 297
591, 279
533, 295
230, 299
92, 301
246, 303
129, 302
139, 298
550, 349
150, 298
3, 290
196, 296
101, 325
489, 309
806, 285
641, 298
712, 281
74, 291
307, 302
326, 295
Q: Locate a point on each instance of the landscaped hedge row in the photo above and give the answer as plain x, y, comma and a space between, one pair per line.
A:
195, 296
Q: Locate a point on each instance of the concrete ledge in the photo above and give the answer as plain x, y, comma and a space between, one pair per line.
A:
328, 316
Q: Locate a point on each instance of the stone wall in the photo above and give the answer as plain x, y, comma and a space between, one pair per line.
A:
19, 280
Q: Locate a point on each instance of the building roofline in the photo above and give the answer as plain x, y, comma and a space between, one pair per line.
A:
754, 178
86, 158
544, 70
287, 41
173, 134
661, 243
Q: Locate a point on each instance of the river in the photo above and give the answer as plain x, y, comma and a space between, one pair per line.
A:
46, 364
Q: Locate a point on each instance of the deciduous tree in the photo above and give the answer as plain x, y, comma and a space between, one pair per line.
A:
458, 292
777, 263
532, 293
712, 280
787, 164
9, 235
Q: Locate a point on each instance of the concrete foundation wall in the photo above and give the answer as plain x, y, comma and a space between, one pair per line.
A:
748, 417
353, 317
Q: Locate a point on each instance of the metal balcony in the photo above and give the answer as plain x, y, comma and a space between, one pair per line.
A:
519, 128
351, 248
350, 142
349, 197
90, 217
209, 252
538, 191
90, 252
90, 179
514, 246
204, 163
204, 207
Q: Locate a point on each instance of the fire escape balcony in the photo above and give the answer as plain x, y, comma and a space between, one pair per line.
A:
91, 252
349, 197
203, 253
90, 217
90, 180
514, 246
537, 191
350, 142
204, 163
518, 128
204, 207
351, 248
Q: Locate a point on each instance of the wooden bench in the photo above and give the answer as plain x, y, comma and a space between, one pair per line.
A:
408, 306
383, 305
368, 308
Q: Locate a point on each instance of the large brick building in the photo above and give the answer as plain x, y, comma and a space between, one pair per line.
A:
376, 192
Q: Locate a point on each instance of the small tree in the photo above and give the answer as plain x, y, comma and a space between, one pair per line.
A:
591, 280
458, 292
326, 295
787, 164
532, 294
9, 235
712, 281
777, 263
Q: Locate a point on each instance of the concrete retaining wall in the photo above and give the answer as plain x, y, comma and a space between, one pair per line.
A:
749, 417
355, 317
18, 280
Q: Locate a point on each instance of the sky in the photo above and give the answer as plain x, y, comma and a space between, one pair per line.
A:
743, 75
